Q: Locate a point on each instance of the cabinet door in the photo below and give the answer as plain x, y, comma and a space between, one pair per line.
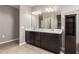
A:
70, 34
50, 42
27, 34
30, 36
37, 39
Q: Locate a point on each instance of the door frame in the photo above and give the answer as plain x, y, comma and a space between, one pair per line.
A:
63, 27
75, 26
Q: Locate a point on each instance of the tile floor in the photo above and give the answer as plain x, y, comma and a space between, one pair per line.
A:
14, 48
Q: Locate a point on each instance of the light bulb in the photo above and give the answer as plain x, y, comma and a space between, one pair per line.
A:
49, 9
36, 12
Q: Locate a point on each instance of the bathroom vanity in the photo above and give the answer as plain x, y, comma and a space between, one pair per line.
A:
45, 30
49, 39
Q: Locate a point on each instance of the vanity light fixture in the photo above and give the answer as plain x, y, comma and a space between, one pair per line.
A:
36, 12
49, 9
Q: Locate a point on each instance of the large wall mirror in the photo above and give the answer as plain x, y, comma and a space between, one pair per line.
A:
46, 17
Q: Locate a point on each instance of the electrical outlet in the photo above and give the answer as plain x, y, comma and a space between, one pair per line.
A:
3, 36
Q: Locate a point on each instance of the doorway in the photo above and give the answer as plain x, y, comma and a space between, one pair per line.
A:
70, 34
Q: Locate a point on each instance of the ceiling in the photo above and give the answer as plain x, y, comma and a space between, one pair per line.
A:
14, 6
17, 6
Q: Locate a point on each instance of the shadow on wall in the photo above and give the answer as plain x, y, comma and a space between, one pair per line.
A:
16, 24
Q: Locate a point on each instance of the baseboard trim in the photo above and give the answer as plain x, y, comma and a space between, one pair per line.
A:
22, 43
8, 41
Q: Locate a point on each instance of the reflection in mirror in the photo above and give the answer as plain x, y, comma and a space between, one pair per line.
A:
46, 19
59, 21
50, 21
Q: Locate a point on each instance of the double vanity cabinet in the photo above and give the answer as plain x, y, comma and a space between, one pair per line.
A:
44, 39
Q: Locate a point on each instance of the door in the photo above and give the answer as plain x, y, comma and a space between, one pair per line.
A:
70, 34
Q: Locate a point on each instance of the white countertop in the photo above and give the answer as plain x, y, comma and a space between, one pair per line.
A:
54, 31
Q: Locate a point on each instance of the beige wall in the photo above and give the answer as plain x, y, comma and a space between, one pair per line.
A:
9, 23
25, 21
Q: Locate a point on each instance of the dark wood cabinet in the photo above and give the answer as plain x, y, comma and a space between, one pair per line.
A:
70, 34
37, 39
30, 37
51, 42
